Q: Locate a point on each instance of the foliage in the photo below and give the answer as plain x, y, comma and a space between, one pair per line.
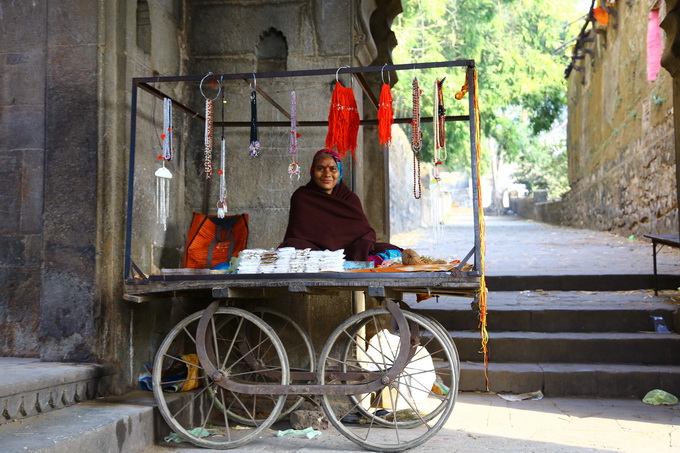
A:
521, 84
544, 166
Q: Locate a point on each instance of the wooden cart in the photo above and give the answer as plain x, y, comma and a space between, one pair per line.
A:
386, 378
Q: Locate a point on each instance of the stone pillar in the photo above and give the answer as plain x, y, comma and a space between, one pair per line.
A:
671, 62
67, 325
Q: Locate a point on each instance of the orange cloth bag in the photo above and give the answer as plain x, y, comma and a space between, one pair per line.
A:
212, 240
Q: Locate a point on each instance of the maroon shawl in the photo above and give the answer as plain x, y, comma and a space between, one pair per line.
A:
334, 221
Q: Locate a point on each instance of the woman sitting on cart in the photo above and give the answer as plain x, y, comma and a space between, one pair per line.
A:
326, 215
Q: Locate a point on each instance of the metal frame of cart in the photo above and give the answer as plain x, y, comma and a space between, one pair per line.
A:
386, 378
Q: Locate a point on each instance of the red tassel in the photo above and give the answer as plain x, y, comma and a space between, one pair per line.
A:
343, 121
385, 115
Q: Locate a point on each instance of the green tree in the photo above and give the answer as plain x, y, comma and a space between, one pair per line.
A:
521, 84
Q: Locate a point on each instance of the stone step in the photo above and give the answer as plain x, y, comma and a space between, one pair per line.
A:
571, 379
129, 423
570, 347
30, 387
557, 319
556, 311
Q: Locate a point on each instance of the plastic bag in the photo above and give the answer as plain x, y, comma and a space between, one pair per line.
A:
658, 397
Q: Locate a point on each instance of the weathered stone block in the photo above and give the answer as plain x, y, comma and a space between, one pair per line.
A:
73, 22
23, 80
15, 18
11, 249
333, 38
32, 191
18, 129
244, 25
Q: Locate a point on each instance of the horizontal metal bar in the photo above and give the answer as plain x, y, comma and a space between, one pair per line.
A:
309, 72
373, 122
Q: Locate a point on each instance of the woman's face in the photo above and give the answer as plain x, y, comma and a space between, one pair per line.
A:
326, 173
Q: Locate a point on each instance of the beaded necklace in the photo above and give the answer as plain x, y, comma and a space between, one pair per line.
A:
294, 167
166, 136
208, 137
438, 122
222, 202
416, 139
254, 141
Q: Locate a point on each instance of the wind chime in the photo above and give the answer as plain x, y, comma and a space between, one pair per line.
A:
416, 139
438, 121
343, 120
163, 175
222, 201
385, 111
294, 167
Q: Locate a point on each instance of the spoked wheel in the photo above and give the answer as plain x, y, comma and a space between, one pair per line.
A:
406, 412
202, 415
301, 357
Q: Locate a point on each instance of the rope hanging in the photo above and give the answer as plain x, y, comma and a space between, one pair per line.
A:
482, 234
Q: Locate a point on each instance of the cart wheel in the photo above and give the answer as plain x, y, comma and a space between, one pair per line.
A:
406, 412
300, 352
201, 415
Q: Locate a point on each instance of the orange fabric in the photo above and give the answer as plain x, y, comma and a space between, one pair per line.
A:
202, 240
601, 16
343, 121
385, 115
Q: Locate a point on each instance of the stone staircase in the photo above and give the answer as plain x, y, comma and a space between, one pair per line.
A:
567, 343
53, 407
562, 343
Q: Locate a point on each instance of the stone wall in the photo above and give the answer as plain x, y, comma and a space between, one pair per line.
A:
23, 61
64, 136
620, 134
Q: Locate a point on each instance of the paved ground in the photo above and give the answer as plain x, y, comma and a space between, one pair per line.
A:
519, 247
484, 422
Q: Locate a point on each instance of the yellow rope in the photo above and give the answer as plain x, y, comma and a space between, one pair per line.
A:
482, 225
482, 235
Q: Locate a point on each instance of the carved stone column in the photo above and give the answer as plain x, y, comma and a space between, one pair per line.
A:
671, 62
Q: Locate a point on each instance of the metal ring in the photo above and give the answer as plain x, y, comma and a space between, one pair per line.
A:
336, 74
389, 81
219, 89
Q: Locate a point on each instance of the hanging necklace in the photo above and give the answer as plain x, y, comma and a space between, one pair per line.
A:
222, 202
208, 137
294, 167
163, 175
416, 139
439, 128
254, 141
